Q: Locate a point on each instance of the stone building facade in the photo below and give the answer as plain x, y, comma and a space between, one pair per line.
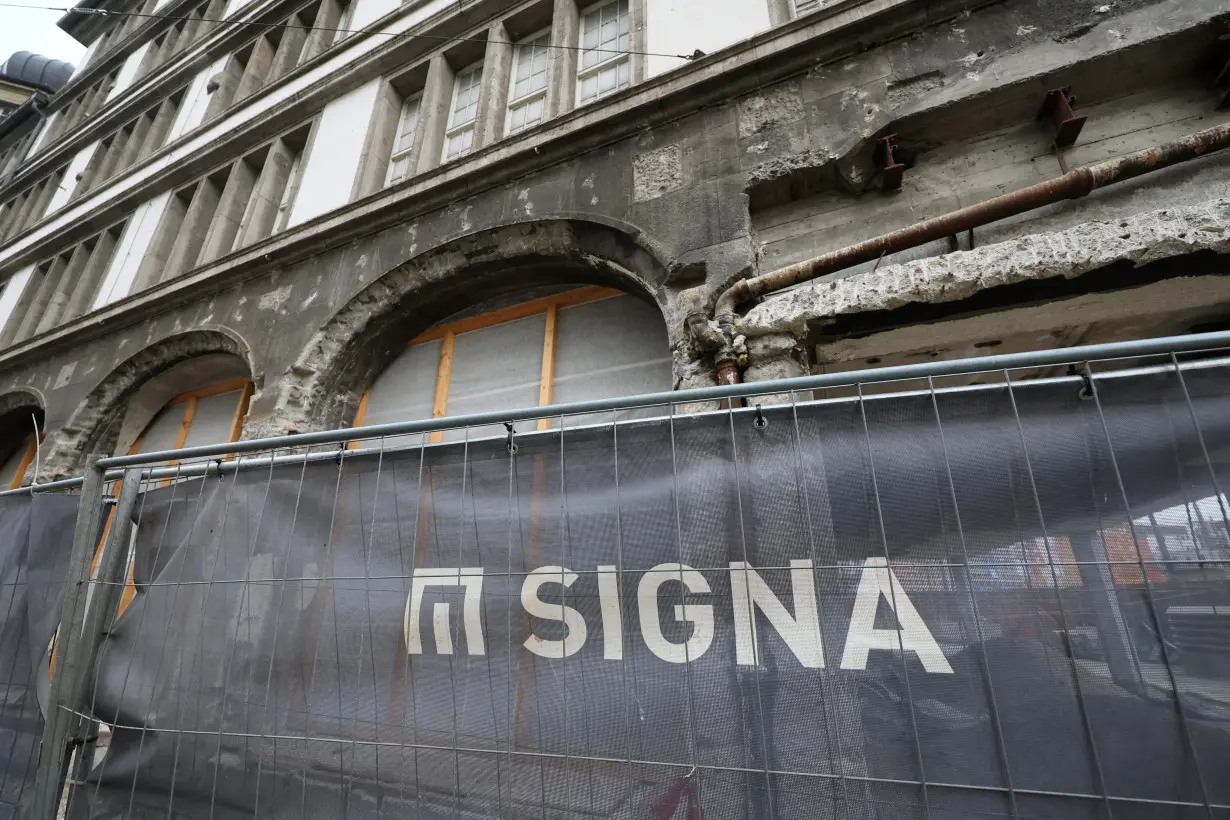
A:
248, 218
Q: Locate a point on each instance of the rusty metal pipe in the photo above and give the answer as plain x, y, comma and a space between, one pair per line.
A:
1075, 184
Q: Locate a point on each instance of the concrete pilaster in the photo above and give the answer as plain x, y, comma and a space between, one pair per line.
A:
192, 232
46, 287
20, 211
158, 253
110, 160
228, 83
256, 72
289, 51
133, 143
262, 209
433, 114
21, 310
63, 288
378, 144
323, 35
224, 226
493, 97
91, 276
562, 88
156, 135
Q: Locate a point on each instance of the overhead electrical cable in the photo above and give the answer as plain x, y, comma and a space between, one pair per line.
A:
286, 25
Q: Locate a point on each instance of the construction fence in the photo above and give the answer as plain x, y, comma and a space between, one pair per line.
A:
914, 600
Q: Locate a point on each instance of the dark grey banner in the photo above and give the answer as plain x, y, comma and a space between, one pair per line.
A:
36, 537
978, 603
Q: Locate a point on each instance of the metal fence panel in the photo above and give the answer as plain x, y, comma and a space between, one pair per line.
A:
1008, 600
35, 538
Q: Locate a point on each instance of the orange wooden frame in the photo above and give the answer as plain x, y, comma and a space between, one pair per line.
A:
447, 334
26, 459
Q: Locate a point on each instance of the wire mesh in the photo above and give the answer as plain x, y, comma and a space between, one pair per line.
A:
1001, 600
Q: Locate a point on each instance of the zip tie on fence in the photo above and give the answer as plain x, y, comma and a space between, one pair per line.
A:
1086, 391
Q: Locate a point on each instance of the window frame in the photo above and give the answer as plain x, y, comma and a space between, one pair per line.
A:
447, 333
585, 72
807, 7
453, 128
406, 153
515, 103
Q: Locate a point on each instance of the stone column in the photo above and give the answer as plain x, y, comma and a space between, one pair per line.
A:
36, 306
775, 356
65, 284
262, 210
163, 119
323, 32
231, 207
91, 275
565, 28
289, 50
378, 146
256, 72
192, 232
433, 114
493, 97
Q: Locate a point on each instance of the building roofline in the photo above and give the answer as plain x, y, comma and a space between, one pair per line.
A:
81, 22
30, 108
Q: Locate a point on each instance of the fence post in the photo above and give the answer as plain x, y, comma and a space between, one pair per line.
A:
82, 620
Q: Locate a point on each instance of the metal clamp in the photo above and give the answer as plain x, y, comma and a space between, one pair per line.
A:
760, 422
1058, 107
894, 172
510, 444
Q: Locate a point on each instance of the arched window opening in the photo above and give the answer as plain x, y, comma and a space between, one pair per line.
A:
580, 344
19, 444
197, 402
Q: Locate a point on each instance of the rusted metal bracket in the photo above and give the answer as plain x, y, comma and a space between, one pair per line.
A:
1058, 107
893, 171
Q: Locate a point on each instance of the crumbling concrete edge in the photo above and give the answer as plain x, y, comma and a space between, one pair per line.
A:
1141, 239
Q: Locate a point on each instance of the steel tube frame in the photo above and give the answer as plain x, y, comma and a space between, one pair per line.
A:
1161, 346
73, 667
1006, 361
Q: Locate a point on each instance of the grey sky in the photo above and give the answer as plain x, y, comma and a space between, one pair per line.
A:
35, 30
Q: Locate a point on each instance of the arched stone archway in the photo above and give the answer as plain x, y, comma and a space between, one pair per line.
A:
95, 425
21, 413
323, 387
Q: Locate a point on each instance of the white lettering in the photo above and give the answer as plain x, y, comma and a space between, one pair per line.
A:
612, 615
699, 615
913, 636
800, 632
471, 579
535, 606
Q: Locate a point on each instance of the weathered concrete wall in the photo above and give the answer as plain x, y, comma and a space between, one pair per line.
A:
678, 212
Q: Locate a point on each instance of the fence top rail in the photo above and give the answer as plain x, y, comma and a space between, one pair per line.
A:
116, 467
1007, 361
217, 467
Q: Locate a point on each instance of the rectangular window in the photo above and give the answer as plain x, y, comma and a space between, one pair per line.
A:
527, 97
802, 7
403, 143
605, 65
459, 139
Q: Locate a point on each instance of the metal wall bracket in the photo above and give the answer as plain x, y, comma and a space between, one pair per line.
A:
1058, 108
893, 171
